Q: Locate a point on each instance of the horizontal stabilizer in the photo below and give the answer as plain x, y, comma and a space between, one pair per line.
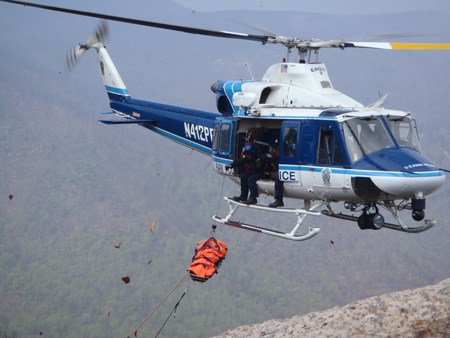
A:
127, 121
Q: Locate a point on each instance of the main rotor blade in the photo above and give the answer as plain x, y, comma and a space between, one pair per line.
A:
301, 44
396, 45
191, 30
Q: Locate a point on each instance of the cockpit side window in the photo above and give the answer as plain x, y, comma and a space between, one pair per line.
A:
405, 132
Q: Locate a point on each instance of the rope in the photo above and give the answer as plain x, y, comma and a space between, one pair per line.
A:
173, 311
159, 305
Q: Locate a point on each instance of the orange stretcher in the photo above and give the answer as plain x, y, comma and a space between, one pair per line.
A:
209, 255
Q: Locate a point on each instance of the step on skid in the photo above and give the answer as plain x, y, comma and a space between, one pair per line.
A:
292, 235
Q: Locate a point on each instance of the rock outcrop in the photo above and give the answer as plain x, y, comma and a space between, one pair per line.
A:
423, 312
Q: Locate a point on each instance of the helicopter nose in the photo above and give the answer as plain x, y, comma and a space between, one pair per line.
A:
393, 185
398, 173
411, 184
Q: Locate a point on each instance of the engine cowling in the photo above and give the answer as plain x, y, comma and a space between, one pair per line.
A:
223, 104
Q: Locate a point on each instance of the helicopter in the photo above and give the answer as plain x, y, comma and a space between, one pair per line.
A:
333, 150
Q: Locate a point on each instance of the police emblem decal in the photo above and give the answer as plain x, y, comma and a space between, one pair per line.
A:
326, 176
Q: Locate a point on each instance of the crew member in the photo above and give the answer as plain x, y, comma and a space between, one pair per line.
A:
251, 170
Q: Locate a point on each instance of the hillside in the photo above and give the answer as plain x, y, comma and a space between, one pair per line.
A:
422, 312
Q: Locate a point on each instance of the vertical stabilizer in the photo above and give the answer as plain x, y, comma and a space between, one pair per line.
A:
114, 85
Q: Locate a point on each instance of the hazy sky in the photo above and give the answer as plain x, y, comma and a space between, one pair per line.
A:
321, 6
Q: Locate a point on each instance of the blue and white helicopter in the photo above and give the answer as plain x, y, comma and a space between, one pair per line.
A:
333, 150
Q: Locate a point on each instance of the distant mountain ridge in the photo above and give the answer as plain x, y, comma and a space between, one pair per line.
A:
422, 312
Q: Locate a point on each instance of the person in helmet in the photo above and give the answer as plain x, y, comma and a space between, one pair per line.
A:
250, 171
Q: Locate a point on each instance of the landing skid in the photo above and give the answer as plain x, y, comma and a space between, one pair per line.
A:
301, 215
398, 227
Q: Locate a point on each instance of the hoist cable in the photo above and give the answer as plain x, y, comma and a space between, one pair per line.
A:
220, 196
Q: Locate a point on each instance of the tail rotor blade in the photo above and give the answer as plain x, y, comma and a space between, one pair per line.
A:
70, 59
74, 55
102, 31
100, 35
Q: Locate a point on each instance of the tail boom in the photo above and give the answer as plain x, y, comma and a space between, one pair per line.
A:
189, 127
114, 85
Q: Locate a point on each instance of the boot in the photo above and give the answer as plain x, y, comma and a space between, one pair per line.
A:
277, 203
238, 198
251, 200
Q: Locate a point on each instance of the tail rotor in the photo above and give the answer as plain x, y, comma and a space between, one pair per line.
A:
100, 35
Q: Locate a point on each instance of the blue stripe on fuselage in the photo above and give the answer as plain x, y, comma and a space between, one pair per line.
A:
117, 94
117, 90
356, 172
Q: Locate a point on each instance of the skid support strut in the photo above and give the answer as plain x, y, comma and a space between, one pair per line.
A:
292, 235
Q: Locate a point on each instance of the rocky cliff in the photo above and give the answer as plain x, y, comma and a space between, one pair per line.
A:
423, 312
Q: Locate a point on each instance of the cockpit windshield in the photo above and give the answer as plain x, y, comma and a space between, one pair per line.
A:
364, 136
405, 132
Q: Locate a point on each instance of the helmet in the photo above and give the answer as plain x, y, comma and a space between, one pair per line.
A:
249, 149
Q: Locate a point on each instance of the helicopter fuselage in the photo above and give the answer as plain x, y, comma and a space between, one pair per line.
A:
331, 147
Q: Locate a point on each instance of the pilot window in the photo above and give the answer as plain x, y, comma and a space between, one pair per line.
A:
328, 150
225, 131
405, 132
289, 141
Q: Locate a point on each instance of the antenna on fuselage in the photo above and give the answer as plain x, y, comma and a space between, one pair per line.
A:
247, 65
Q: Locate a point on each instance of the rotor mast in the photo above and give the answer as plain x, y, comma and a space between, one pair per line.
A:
308, 50
305, 54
